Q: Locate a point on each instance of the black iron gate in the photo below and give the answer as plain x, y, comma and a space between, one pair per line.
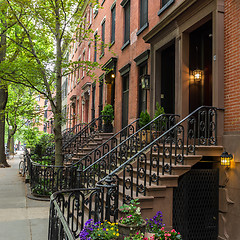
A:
195, 205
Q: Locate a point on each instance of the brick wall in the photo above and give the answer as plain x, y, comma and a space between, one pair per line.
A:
232, 66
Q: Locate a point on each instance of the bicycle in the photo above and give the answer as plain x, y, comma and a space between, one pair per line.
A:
22, 167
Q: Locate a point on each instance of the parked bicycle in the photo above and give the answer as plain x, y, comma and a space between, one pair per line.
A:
22, 167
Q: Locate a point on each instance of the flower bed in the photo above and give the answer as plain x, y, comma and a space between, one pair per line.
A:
98, 230
134, 221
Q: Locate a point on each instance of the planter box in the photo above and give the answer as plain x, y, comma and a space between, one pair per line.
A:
126, 230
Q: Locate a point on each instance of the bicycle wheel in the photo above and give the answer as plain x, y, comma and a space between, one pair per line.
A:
22, 168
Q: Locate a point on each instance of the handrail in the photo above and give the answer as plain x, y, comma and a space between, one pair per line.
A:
156, 141
83, 130
65, 206
108, 140
57, 219
133, 135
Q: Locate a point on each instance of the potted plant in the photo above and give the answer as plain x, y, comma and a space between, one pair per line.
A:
108, 117
144, 119
132, 222
160, 123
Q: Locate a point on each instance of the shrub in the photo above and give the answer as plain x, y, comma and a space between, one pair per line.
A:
108, 112
144, 119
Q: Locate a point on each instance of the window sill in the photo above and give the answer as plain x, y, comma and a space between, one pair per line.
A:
142, 28
169, 3
125, 45
101, 55
111, 44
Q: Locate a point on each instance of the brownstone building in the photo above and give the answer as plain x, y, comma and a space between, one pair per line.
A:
189, 52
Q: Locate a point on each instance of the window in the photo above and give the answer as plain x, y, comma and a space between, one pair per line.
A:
89, 16
95, 9
142, 104
83, 72
93, 100
103, 38
100, 95
126, 5
164, 2
95, 47
164, 5
143, 13
75, 75
79, 69
113, 15
127, 23
89, 51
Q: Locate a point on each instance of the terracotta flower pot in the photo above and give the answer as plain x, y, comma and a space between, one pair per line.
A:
125, 230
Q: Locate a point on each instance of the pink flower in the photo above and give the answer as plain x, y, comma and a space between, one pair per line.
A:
137, 233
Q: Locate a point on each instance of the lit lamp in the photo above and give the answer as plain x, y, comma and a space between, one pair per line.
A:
145, 81
226, 159
198, 75
112, 75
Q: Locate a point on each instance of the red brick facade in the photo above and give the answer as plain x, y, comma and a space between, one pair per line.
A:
173, 25
232, 66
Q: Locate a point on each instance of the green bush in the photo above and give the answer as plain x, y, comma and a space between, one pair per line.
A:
108, 112
144, 119
159, 110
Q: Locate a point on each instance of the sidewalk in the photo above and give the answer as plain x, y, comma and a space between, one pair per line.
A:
20, 218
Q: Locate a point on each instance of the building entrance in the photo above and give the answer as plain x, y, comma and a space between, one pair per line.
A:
200, 66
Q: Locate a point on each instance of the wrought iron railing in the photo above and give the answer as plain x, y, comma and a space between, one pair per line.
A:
92, 172
46, 179
84, 136
108, 145
68, 133
76, 137
156, 159
70, 209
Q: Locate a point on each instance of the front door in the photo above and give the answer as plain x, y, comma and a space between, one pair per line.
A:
195, 205
200, 58
168, 79
125, 98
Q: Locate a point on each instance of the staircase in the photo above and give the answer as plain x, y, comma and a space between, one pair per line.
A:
145, 165
151, 171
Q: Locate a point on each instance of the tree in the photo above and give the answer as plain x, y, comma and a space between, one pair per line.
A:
21, 109
4, 26
43, 33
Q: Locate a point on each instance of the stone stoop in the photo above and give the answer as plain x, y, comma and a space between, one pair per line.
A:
93, 144
159, 197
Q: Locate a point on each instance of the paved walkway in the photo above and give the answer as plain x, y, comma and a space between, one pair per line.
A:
20, 217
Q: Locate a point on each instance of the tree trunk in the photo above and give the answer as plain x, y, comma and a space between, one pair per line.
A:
58, 102
3, 103
10, 140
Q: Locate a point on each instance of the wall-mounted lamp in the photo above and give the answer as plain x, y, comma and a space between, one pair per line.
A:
112, 75
145, 81
198, 75
109, 77
226, 159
